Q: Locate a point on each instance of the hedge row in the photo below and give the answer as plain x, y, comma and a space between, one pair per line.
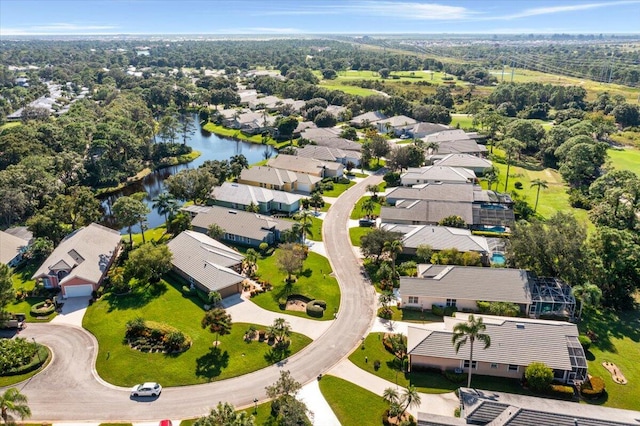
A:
36, 362
443, 311
40, 310
316, 308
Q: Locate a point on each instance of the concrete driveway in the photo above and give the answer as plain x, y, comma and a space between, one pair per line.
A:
72, 312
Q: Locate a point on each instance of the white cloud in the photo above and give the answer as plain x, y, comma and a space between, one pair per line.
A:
561, 9
58, 28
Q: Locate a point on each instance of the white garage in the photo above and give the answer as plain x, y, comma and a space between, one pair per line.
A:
81, 290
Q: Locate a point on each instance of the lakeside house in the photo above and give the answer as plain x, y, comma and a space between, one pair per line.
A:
239, 226
241, 196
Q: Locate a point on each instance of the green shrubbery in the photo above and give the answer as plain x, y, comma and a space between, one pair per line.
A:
454, 377
149, 336
43, 309
316, 308
443, 311
539, 376
585, 341
19, 356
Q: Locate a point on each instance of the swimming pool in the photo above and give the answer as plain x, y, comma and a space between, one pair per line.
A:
498, 259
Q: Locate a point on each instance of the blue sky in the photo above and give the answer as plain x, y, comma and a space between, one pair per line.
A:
51, 17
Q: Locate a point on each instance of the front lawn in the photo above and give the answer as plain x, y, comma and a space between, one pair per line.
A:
117, 363
413, 315
24, 307
316, 229
338, 188
357, 232
21, 277
357, 211
618, 342
352, 404
426, 382
315, 282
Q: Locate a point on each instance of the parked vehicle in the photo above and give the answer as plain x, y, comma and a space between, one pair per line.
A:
166, 423
146, 389
13, 321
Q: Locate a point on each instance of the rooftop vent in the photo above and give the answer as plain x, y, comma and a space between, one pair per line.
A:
520, 325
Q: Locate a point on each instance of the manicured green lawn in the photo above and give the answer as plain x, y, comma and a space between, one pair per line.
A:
464, 120
627, 159
324, 208
356, 233
123, 366
22, 276
158, 234
413, 315
316, 229
352, 404
338, 188
24, 307
552, 200
315, 282
351, 90
618, 342
357, 211
236, 134
426, 382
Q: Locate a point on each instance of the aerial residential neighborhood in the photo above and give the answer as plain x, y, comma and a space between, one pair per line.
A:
319, 213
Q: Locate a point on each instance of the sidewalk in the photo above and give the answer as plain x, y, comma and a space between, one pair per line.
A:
322, 414
243, 310
443, 404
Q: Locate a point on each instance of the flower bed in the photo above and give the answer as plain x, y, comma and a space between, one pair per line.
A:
150, 336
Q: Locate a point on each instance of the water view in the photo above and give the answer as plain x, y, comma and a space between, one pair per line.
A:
211, 147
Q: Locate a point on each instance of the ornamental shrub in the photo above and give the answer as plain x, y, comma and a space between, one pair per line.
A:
43, 309
437, 310
592, 388
314, 309
585, 342
539, 376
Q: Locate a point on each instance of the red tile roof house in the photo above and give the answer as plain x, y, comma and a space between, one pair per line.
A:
81, 261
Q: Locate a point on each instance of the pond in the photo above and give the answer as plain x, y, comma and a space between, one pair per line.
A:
211, 147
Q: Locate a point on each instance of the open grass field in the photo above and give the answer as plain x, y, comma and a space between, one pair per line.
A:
351, 90
353, 405
315, 282
618, 342
626, 159
552, 199
118, 364
593, 88
465, 121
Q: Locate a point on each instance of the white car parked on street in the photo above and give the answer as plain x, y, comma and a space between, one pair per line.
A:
146, 389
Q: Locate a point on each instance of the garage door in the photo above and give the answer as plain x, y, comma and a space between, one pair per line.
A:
78, 290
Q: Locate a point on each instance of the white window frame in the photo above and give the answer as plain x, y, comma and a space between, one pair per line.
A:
413, 300
494, 365
452, 302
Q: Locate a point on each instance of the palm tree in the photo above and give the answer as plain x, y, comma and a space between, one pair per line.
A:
588, 294
511, 147
166, 206
250, 260
368, 206
13, 402
218, 321
304, 219
393, 248
410, 398
431, 147
391, 395
385, 299
470, 331
252, 207
540, 184
280, 329
316, 201
373, 189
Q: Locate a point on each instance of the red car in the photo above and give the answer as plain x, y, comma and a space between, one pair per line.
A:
165, 423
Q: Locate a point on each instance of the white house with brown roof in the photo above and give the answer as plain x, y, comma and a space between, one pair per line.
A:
80, 261
515, 344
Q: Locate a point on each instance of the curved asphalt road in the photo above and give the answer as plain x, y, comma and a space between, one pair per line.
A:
70, 390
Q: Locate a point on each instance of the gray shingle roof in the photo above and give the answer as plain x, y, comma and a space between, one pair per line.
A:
398, 121
268, 175
470, 283
205, 259
447, 135
439, 237
326, 153
521, 410
239, 222
435, 191
10, 246
340, 143
302, 164
429, 128
88, 251
313, 133
461, 146
464, 160
426, 212
371, 116
516, 341
441, 173
246, 194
